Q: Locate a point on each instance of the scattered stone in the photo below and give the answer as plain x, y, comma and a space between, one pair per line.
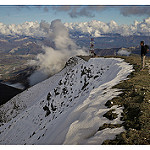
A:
110, 115
47, 110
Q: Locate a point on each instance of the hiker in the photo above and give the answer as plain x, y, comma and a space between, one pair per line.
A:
143, 54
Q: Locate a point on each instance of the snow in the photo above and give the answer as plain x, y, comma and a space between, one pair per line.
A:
95, 28
31, 95
73, 112
106, 134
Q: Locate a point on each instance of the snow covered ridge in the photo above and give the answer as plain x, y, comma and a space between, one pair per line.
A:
27, 98
67, 108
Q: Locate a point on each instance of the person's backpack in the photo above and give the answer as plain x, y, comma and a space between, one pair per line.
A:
147, 48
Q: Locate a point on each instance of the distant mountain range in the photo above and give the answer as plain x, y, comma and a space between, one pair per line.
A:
24, 45
16, 50
112, 41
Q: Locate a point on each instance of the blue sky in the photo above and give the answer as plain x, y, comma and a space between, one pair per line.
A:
12, 14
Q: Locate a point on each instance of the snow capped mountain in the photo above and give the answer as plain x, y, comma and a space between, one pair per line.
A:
67, 108
95, 27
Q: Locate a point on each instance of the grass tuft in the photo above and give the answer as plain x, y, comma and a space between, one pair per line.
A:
135, 98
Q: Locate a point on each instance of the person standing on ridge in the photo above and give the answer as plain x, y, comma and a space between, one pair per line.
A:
143, 54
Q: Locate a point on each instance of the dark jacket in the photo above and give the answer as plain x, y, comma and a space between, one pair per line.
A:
143, 50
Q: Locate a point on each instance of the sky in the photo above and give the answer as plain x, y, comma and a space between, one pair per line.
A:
121, 14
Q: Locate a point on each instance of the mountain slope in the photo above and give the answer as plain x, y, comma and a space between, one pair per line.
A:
67, 108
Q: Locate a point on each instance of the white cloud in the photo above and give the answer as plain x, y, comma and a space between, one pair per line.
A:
94, 27
27, 28
53, 60
124, 52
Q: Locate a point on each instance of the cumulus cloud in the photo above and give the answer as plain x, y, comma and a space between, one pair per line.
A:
135, 10
95, 28
63, 8
27, 28
76, 11
53, 60
46, 9
60, 35
80, 11
124, 52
